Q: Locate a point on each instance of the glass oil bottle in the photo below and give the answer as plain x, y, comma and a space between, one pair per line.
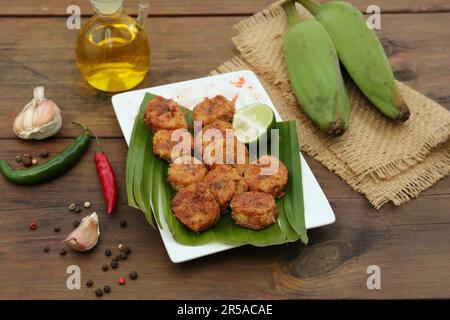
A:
113, 51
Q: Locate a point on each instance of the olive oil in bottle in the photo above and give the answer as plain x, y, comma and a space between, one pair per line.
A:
113, 51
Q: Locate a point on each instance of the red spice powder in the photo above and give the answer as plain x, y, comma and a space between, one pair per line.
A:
239, 83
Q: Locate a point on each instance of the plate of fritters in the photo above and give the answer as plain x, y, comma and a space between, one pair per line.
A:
210, 178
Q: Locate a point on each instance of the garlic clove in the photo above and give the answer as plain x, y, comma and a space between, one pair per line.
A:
39, 119
17, 126
45, 112
86, 235
28, 116
48, 129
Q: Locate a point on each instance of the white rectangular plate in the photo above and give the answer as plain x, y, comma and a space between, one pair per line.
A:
245, 88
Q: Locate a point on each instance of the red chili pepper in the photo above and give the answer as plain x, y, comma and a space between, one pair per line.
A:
106, 177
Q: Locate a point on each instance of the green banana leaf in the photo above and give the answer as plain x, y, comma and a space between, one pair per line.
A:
148, 190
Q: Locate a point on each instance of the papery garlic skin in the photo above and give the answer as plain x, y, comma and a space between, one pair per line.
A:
39, 119
86, 235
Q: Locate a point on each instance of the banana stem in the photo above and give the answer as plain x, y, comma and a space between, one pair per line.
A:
291, 13
311, 5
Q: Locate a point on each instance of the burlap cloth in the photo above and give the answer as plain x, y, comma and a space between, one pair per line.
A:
383, 160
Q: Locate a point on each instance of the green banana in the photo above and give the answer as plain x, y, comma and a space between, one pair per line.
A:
313, 68
362, 54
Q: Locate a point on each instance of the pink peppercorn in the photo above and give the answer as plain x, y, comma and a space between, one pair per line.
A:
122, 281
33, 226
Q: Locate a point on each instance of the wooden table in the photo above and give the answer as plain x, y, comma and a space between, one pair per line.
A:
411, 244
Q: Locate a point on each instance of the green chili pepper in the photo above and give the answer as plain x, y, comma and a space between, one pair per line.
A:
52, 169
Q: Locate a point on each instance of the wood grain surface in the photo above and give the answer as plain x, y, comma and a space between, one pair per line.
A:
202, 7
418, 46
411, 243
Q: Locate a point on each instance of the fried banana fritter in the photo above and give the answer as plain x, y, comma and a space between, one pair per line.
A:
254, 210
163, 144
164, 114
208, 134
226, 151
225, 182
186, 171
267, 175
196, 207
217, 108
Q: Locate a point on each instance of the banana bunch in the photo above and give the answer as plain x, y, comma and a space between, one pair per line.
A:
314, 72
360, 52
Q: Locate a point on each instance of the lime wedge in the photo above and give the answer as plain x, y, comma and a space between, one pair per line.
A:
252, 122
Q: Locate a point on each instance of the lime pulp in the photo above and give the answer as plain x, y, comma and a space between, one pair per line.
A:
252, 122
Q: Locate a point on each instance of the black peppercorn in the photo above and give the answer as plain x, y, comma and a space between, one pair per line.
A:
105, 267
26, 162
47, 249
43, 153
116, 258
57, 229
123, 224
62, 252
107, 289
99, 292
125, 249
108, 252
76, 223
133, 275
123, 256
89, 283
114, 264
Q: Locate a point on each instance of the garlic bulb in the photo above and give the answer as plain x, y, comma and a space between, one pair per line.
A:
86, 235
39, 119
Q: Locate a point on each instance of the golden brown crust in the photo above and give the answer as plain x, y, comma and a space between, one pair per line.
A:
226, 151
206, 135
225, 182
163, 144
221, 125
196, 207
254, 210
217, 108
241, 185
273, 183
164, 114
185, 171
